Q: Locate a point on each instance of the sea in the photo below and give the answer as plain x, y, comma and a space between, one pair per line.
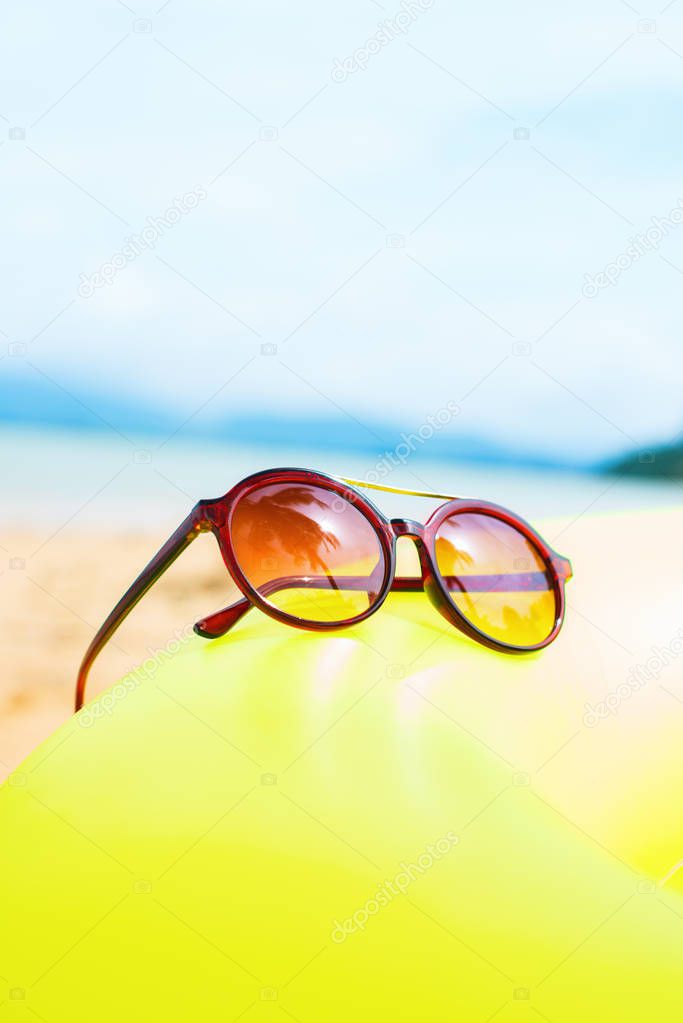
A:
61, 478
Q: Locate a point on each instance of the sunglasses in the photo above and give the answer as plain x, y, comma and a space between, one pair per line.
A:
311, 551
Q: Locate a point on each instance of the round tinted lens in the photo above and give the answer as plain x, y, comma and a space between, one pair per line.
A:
308, 551
496, 578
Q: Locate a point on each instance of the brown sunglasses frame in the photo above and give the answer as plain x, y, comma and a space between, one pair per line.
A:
215, 516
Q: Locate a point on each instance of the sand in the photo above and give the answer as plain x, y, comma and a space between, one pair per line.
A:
56, 592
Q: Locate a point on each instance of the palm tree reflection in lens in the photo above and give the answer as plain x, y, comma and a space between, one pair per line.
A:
517, 605
308, 551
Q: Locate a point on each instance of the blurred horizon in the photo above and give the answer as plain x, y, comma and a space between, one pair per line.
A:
61, 479
39, 401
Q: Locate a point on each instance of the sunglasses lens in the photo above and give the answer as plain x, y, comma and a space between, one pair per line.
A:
496, 578
308, 551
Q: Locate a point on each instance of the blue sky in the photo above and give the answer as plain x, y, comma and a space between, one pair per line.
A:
395, 234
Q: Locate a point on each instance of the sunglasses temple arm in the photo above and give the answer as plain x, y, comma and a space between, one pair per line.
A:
220, 622
183, 536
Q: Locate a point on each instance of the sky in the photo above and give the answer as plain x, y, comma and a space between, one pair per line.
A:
394, 207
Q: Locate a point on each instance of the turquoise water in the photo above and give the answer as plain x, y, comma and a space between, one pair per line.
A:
92, 480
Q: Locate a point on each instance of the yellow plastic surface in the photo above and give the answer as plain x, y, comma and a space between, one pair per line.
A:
386, 824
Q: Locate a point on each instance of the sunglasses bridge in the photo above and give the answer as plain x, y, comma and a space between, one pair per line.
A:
408, 527
426, 581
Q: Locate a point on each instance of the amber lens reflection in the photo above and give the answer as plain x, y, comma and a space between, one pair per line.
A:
308, 551
496, 578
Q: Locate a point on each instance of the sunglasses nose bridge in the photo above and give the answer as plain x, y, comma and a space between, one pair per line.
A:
408, 527
415, 531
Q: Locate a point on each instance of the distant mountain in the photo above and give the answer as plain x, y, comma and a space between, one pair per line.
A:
662, 462
40, 400
36, 400
374, 438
